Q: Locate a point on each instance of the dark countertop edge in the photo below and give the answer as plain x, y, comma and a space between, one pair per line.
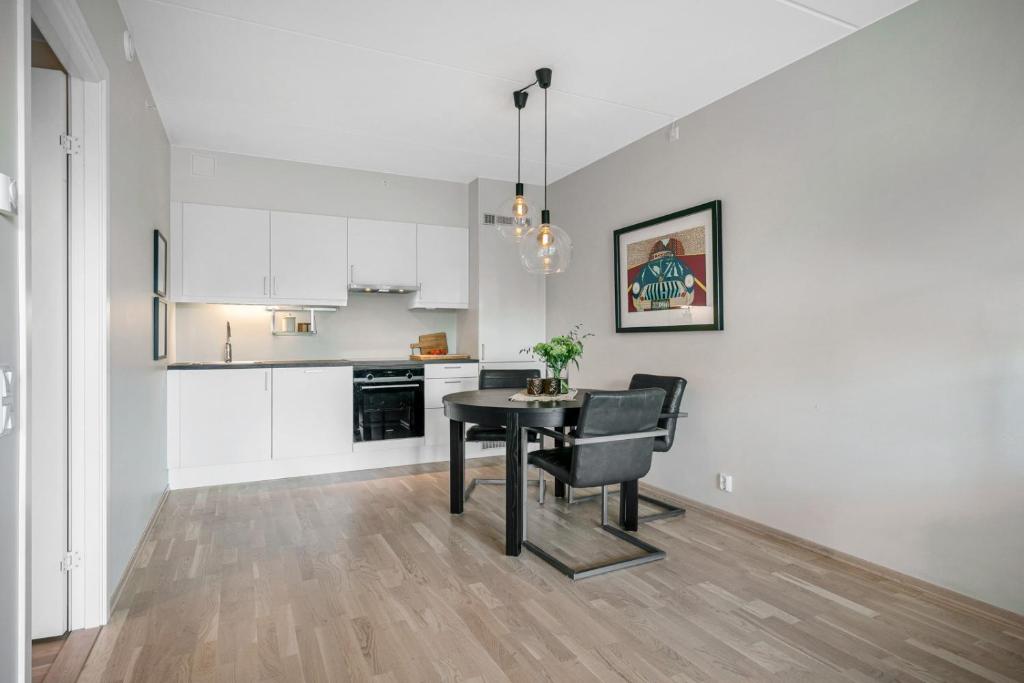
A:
219, 365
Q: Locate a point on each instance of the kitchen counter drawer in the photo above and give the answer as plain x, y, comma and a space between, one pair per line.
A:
449, 370
437, 389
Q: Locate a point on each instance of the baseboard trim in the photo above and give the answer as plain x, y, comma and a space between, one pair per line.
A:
947, 595
116, 595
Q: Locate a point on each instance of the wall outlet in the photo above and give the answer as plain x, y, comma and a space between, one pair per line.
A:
725, 482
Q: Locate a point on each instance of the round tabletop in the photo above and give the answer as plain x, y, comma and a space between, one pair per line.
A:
490, 406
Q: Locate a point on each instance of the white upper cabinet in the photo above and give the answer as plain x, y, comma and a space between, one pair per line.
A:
442, 265
225, 254
308, 259
382, 253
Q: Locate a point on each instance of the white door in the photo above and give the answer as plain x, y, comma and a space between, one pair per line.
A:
312, 412
382, 253
225, 254
442, 266
308, 258
12, 127
48, 369
225, 416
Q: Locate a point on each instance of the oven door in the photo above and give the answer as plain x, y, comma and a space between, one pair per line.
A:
388, 410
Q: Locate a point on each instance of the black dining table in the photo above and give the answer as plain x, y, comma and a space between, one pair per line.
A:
494, 407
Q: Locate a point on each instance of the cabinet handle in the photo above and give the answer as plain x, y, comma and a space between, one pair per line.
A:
273, 285
352, 274
265, 285
266, 380
483, 351
453, 381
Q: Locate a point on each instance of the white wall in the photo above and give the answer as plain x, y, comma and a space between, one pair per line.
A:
371, 325
866, 391
139, 185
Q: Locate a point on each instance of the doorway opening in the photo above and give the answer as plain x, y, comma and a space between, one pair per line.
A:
67, 332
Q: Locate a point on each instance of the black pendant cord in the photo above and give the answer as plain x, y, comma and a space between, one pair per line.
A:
519, 146
545, 149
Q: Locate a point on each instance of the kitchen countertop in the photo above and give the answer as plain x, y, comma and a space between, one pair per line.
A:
335, 362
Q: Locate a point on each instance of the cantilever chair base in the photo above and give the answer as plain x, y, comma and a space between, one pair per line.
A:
651, 553
489, 482
668, 510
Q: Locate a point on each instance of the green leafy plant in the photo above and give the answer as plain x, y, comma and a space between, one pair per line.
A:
560, 351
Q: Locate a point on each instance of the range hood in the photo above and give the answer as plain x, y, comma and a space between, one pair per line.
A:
382, 289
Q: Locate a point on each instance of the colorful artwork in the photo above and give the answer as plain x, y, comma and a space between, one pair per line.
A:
668, 272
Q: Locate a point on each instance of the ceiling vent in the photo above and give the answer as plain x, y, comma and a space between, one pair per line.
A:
492, 219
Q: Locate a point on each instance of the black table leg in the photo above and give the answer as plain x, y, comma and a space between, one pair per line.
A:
560, 485
629, 505
456, 465
513, 478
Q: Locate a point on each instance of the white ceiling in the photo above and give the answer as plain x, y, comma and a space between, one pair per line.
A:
425, 88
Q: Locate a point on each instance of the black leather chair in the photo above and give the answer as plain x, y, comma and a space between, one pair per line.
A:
613, 443
497, 379
673, 388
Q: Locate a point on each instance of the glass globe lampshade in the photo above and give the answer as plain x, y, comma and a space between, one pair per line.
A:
545, 249
518, 210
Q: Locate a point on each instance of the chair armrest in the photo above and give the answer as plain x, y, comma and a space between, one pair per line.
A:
544, 431
578, 441
666, 415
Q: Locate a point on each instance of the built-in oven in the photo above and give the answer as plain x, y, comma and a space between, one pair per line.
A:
387, 403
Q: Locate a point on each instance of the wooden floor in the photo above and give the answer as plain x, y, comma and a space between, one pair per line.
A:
333, 578
60, 660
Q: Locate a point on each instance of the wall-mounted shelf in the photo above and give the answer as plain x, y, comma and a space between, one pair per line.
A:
289, 321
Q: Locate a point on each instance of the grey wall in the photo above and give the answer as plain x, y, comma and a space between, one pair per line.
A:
371, 325
866, 391
139, 184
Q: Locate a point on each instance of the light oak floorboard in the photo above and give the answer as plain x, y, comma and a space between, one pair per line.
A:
366, 577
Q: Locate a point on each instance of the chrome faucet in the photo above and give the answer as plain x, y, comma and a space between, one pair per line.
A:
227, 345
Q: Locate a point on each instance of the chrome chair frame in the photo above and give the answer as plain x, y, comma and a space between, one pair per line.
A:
651, 553
668, 510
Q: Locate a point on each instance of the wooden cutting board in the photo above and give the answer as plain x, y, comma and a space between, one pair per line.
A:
448, 356
436, 342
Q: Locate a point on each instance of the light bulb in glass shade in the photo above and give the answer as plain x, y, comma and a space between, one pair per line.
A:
545, 249
514, 216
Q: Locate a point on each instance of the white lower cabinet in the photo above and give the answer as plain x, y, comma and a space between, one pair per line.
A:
312, 412
441, 380
224, 417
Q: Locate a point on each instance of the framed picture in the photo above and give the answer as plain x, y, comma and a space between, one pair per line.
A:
159, 264
668, 272
159, 329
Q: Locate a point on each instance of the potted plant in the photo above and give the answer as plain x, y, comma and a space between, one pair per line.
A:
557, 353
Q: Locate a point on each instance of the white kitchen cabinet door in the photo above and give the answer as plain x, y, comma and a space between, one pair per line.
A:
442, 266
224, 416
435, 390
436, 427
382, 253
308, 259
312, 412
225, 254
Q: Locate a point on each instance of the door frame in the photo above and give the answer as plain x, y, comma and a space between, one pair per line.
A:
65, 29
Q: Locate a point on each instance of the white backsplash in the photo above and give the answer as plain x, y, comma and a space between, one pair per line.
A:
377, 326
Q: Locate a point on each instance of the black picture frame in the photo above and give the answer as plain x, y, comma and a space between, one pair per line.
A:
717, 303
159, 329
159, 264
